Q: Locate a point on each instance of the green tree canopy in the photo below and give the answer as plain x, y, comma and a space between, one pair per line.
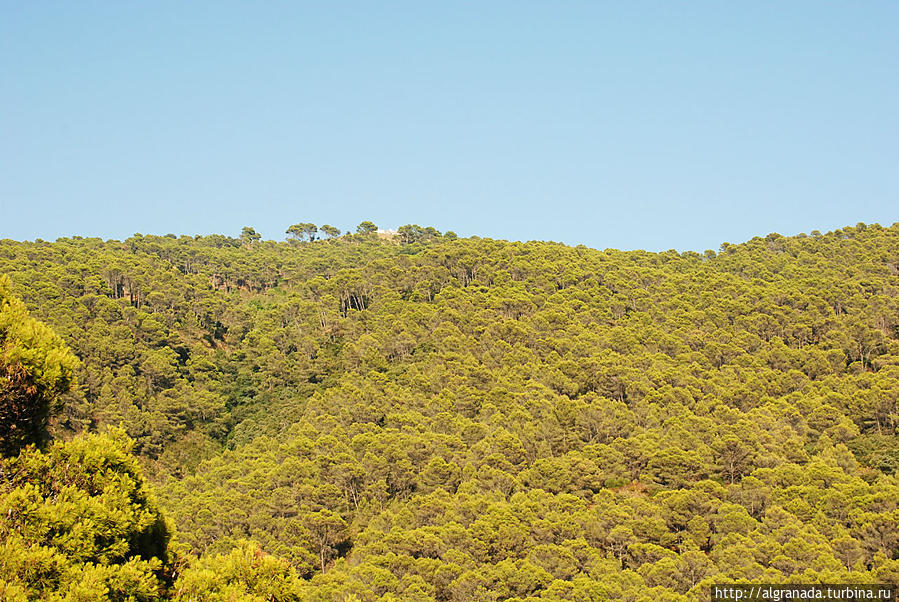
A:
366, 227
330, 231
249, 235
303, 231
466, 418
36, 368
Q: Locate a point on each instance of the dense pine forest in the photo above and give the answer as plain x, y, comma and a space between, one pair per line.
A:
418, 416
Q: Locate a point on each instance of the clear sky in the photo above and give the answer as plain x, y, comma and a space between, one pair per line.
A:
624, 124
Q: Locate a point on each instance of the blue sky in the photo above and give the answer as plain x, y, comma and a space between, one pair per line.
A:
650, 125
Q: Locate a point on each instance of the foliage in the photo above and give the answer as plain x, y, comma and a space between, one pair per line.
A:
303, 230
78, 522
471, 419
246, 574
35, 370
366, 227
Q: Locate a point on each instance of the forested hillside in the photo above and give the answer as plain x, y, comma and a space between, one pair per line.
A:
421, 417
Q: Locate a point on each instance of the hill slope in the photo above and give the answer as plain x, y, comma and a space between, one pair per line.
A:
479, 419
